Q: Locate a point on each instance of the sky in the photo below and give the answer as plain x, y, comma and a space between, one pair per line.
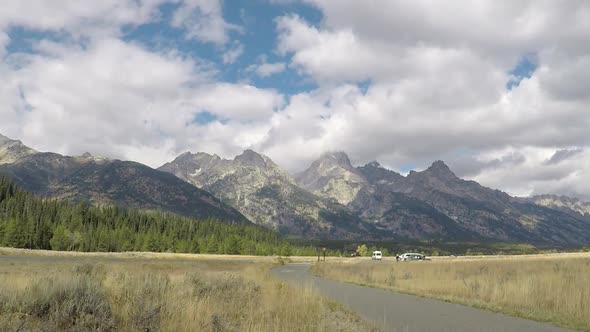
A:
499, 90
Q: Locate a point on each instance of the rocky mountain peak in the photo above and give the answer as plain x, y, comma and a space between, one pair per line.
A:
9, 141
191, 167
4, 139
377, 174
185, 155
86, 155
373, 164
251, 158
335, 159
199, 157
329, 164
440, 170
12, 150
333, 176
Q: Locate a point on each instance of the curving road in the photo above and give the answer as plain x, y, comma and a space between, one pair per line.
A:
393, 311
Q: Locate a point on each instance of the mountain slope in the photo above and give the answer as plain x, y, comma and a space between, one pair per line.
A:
103, 181
490, 213
266, 194
12, 150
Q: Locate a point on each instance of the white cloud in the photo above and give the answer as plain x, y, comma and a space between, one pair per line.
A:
267, 69
120, 100
203, 20
239, 102
231, 55
534, 175
81, 19
117, 98
4, 40
437, 76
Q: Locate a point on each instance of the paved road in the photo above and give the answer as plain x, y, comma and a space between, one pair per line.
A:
393, 311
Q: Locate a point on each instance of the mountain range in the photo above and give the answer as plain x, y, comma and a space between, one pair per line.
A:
104, 181
332, 199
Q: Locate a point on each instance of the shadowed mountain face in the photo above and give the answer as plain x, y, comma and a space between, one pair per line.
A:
104, 181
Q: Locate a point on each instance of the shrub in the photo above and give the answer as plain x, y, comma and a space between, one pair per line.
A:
77, 303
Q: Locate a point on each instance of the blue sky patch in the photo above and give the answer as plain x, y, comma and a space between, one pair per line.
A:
257, 36
203, 118
525, 68
407, 168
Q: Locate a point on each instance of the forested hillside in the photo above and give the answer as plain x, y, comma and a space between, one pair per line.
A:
27, 221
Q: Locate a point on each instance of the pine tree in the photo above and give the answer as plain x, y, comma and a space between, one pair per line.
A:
103, 244
151, 243
195, 246
15, 234
212, 245
2, 232
232, 245
286, 250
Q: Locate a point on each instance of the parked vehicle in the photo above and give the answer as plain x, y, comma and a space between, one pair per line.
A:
377, 255
410, 256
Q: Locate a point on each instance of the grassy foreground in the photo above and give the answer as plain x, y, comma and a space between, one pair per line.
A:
553, 288
169, 293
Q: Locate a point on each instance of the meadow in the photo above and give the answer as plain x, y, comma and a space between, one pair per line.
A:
49, 291
549, 288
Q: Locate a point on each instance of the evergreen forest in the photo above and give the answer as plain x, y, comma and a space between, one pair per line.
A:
27, 221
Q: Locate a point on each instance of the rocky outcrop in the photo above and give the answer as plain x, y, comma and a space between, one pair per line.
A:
333, 176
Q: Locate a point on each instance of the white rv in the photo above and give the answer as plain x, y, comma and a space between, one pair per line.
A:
377, 255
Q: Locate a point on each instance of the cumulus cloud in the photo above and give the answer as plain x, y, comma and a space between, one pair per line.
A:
241, 102
118, 99
535, 176
203, 20
404, 83
96, 18
437, 89
561, 155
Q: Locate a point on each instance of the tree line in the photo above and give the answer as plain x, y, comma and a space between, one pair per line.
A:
27, 221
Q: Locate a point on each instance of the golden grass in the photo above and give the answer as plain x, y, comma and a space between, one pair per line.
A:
550, 288
114, 292
5, 251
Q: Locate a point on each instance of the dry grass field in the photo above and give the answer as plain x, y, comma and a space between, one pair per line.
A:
45, 291
550, 288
